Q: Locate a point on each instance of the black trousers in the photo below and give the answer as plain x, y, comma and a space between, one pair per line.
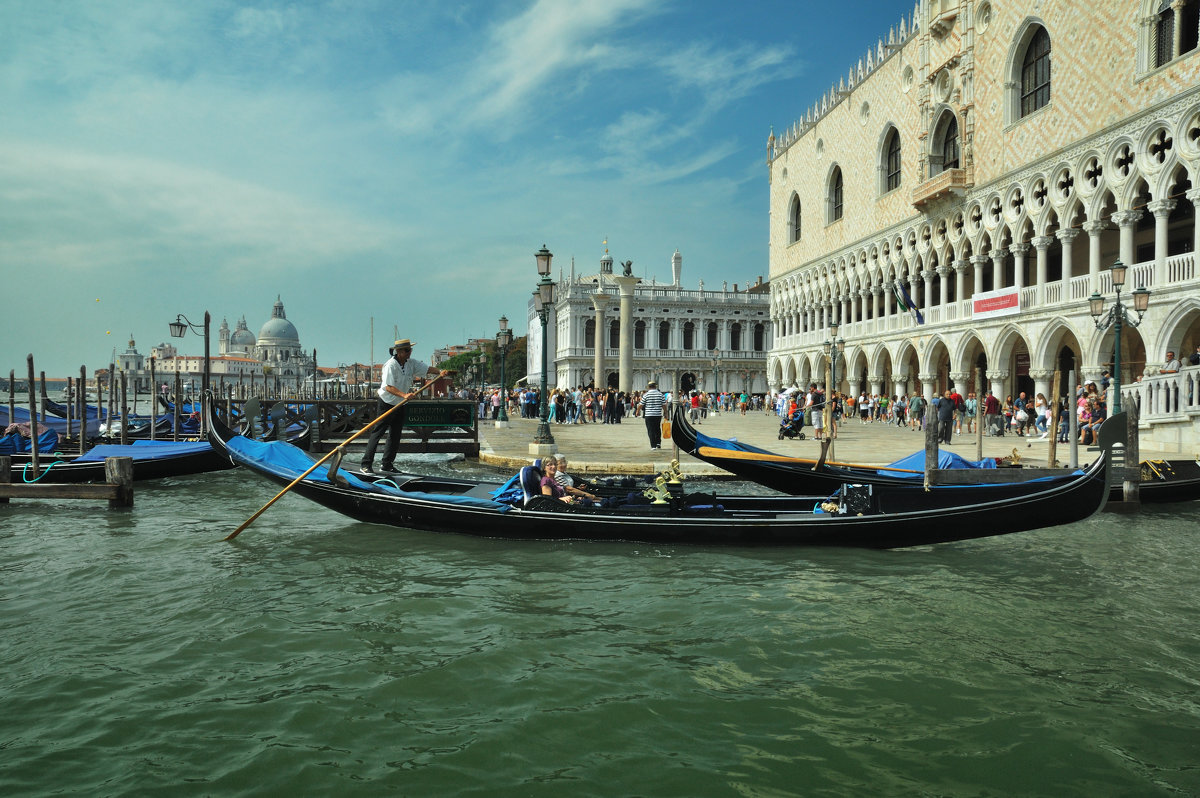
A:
393, 425
654, 429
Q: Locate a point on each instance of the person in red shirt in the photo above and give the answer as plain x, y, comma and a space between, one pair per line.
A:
991, 415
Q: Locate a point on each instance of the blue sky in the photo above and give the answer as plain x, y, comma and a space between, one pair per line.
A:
397, 160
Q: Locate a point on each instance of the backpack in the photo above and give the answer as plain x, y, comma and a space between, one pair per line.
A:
958, 402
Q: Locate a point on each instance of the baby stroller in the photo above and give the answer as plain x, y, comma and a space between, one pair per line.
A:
792, 427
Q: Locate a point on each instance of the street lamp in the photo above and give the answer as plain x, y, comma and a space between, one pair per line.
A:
1116, 317
833, 347
543, 299
503, 342
482, 373
179, 328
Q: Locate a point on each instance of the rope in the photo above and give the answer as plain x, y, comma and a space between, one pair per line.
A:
25, 472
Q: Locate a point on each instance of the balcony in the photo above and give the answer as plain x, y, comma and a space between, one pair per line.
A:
943, 184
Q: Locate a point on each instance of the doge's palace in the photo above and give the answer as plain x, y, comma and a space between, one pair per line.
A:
956, 199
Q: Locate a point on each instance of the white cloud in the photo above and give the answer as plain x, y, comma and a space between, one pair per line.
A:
82, 212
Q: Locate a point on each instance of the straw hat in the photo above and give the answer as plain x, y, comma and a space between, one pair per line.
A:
402, 343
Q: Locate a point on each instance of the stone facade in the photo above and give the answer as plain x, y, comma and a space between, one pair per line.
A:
997, 155
682, 338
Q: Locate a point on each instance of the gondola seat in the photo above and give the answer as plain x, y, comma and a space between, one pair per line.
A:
530, 478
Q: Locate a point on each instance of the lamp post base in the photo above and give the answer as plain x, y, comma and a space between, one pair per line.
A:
543, 449
502, 423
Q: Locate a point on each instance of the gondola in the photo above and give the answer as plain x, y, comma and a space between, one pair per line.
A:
793, 475
59, 425
1165, 481
471, 507
151, 460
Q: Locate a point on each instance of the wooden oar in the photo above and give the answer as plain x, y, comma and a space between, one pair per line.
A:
733, 454
336, 450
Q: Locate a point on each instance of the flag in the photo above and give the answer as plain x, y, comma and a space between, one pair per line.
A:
905, 302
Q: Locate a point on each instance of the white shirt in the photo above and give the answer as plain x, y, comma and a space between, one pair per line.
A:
400, 377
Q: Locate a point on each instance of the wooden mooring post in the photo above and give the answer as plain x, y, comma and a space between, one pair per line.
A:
117, 487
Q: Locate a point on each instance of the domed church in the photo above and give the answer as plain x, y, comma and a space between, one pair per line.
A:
278, 345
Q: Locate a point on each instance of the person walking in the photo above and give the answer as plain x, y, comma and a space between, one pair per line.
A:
396, 386
945, 415
651, 406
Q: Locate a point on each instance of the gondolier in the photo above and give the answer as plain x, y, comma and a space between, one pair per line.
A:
652, 410
395, 386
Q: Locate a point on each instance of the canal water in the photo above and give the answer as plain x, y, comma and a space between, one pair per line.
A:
139, 655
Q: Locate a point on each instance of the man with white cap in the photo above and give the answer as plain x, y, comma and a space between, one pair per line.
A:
395, 386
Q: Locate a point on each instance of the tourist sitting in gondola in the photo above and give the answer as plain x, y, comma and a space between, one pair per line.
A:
568, 483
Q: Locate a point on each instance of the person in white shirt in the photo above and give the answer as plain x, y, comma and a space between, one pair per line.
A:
396, 386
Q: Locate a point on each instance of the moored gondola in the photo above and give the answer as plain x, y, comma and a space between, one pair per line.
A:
472, 507
151, 460
794, 475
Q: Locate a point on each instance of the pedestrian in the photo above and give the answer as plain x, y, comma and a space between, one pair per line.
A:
1172, 365
651, 406
945, 416
991, 414
395, 387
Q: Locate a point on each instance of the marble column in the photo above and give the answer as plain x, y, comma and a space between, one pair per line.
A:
928, 384
977, 262
1041, 383
876, 381
1162, 212
1019, 250
927, 303
998, 384
598, 303
998, 254
1067, 238
625, 375
960, 268
1126, 221
1043, 244
1194, 196
1094, 229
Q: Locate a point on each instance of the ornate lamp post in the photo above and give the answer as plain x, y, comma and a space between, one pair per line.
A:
503, 342
179, 328
543, 299
833, 347
482, 360
1116, 317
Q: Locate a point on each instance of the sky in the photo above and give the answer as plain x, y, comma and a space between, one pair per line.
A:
391, 164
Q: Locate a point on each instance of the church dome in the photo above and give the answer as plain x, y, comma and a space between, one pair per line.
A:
242, 338
278, 327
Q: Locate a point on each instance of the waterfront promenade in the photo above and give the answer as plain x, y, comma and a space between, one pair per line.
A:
624, 449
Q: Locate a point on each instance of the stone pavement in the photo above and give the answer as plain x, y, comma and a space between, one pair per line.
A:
624, 448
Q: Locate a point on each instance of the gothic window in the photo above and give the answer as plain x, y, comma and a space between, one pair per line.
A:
712, 335
735, 337
943, 151
589, 333
639, 334
1164, 34
892, 165
689, 335
1035, 73
950, 145
760, 337
794, 220
614, 334
664, 335
835, 194
1170, 19
1189, 26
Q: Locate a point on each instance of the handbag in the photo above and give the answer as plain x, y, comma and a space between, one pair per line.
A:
1022, 416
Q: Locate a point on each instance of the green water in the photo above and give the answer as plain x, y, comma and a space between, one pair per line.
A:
318, 656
